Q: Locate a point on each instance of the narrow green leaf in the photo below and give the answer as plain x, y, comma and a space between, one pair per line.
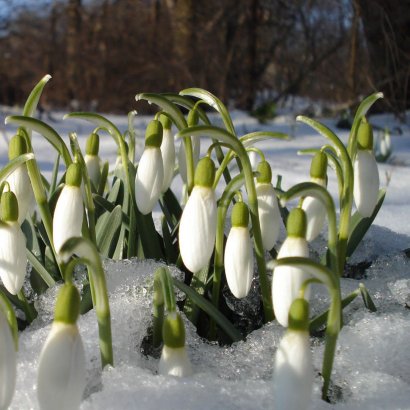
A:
103, 179
109, 206
367, 299
171, 251
211, 310
32, 100
360, 225
41, 270
254, 137
54, 175
107, 232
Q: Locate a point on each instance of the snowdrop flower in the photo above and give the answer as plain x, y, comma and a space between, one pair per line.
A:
68, 213
92, 160
13, 259
197, 227
174, 359
150, 173
196, 147
269, 213
293, 368
239, 253
8, 363
287, 281
366, 174
168, 152
19, 181
314, 208
61, 371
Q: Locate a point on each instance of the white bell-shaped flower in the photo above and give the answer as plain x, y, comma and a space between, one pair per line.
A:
68, 213
8, 363
197, 227
366, 173
268, 207
13, 259
167, 152
174, 359
19, 181
150, 173
314, 208
61, 372
293, 367
92, 160
287, 281
238, 258
196, 148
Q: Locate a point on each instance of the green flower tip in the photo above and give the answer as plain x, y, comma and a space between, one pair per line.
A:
193, 118
165, 121
92, 145
153, 134
205, 172
173, 331
67, 307
365, 135
318, 167
73, 175
265, 173
296, 223
17, 147
240, 215
9, 207
299, 315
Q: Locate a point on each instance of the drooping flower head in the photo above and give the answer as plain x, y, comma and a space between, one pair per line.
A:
287, 281
314, 208
68, 213
174, 359
366, 173
19, 181
239, 253
293, 368
13, 259
8, 363
150, 173
91, 158
196, 147
167, 151
197, 227
269, 213
61, 371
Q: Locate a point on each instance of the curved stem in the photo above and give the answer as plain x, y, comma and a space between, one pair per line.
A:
7, 308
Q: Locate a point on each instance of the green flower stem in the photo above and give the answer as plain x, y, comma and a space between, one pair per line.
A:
29, 310
238, 147
332, 283
258, 151
158, 309
305, 285
223, 204
311, 189
8, 311
131, 133
223, 166
88, 254
190, 168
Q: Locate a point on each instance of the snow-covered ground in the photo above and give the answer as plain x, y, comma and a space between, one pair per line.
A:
371, 369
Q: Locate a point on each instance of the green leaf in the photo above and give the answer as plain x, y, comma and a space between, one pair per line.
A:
360, 225
211, 310
40, 269
34, 97
54, 176
109, 206
367, 299
107, 232
171, 251
45, 130
254, 137
103, 179
14, 164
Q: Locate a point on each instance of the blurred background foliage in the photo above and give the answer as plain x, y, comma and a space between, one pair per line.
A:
248, 52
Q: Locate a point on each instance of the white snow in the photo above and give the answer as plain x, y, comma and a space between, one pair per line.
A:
371, 369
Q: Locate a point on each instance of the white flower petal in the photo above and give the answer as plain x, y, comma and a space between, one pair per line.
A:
149, 179
168, 158
8, 364
269, 214
197, 228
174, 362
239, 261
182, 158
366, 182
13, 259
68, 216
20, 184
61, 372
315, 216
92, 162
287, 281
293, 372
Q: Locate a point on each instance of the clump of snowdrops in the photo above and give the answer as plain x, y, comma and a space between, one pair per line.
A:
87, 215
